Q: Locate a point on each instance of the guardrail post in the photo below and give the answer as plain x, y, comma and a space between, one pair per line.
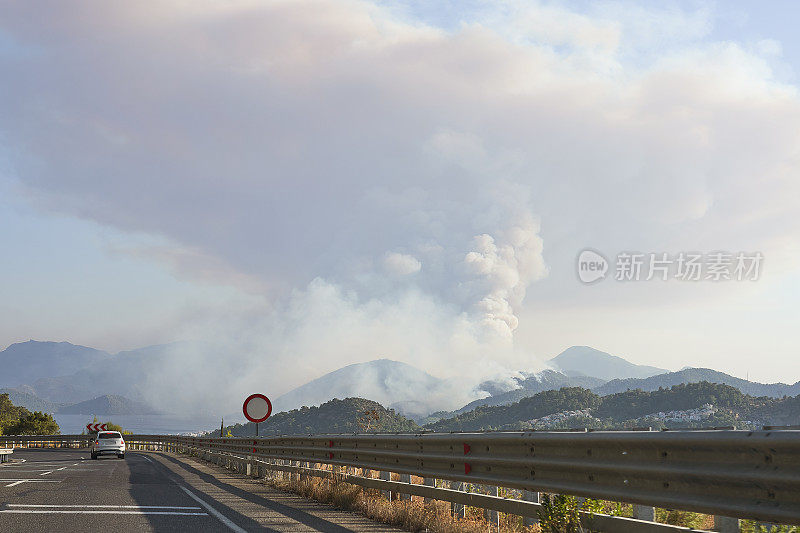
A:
405, 478
534, 497
726, 524
457, 509
493, 517
249, 469
428, 482
386, 476
644, 512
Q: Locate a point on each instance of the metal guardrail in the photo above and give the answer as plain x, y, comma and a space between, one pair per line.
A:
4, 453
742, 474
45, 441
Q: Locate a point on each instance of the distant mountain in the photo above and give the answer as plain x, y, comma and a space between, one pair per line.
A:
529, 385
586, 361
383, 380
25, 362
694, 375
108, 405
30, 401
128, 374
351, 415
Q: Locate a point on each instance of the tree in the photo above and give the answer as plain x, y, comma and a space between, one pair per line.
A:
9, 413
111, 426
17, 420
36, 423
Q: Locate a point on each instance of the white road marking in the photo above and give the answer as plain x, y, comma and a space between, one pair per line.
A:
219, 516
45, 473
173, 507
18, 481
91, 511
27, 471
32, 466
62, 468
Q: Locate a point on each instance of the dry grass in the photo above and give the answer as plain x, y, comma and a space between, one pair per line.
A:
410, 515
685, 518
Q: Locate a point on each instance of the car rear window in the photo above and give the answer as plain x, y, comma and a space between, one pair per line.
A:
109, 436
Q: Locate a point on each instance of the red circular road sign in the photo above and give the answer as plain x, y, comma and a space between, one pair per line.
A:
257, 408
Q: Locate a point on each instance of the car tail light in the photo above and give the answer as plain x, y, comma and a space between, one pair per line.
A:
97, 442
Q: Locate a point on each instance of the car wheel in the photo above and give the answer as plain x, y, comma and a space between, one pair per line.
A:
121, 456
94, 456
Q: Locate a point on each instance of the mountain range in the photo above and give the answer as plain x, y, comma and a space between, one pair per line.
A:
53, 376
25, 362
695, 375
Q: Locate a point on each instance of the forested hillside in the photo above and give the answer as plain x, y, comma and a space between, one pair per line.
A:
690, 405
351, 415
501, 416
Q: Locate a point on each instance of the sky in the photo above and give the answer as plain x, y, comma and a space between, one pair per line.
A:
317, 183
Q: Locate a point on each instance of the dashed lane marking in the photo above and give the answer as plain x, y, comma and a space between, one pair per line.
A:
15, 482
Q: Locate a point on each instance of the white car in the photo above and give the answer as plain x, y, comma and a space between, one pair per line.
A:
108, 443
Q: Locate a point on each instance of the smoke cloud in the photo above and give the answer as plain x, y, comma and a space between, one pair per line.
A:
379, 187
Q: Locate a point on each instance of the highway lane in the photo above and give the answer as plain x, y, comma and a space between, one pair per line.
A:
64, 490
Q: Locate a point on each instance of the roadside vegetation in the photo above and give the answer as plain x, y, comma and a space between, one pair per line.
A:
17, 420
559, 514
410, 515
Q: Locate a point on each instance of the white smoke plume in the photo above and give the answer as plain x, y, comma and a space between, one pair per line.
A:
373, 186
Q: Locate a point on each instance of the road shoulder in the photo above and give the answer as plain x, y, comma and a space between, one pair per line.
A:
271, 508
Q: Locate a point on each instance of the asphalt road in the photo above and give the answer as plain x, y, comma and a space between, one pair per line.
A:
64, 490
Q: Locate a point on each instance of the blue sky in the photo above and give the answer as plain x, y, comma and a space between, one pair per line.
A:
401, 182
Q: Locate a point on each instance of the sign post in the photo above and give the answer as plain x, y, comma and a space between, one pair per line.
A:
257, 408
